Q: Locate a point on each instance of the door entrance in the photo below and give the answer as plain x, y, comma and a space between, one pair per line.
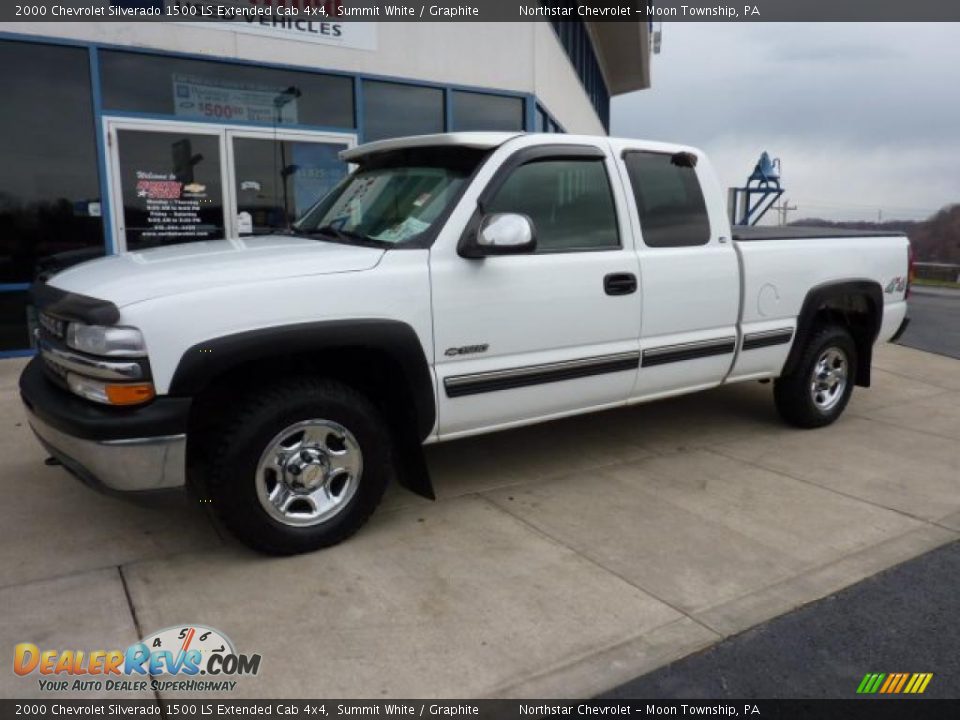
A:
173, 182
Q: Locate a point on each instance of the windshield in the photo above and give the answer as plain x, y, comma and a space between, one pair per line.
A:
391, 202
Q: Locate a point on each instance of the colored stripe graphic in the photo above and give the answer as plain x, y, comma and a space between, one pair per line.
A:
870, 683
894, 683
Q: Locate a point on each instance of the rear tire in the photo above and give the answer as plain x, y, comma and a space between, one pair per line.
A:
817, 391
301, 465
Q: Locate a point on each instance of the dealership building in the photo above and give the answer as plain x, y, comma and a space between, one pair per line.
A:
119, 136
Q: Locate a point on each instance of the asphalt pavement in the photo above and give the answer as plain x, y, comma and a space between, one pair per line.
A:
934, 321
902, 620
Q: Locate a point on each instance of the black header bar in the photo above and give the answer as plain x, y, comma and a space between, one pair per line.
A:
479, 10
272, 709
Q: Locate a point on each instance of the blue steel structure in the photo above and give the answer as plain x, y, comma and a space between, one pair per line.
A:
761, 191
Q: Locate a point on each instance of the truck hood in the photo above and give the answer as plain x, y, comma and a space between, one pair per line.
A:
136, 276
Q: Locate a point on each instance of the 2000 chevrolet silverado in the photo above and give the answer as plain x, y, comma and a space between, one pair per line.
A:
451, 285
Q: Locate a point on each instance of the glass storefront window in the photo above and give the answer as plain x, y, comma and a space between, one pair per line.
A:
482, 111
394, 110
50, 206
49, 184
278, 181
203, 90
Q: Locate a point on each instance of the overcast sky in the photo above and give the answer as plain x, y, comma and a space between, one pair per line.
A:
862, 116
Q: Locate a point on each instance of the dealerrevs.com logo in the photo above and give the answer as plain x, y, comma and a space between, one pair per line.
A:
180, 658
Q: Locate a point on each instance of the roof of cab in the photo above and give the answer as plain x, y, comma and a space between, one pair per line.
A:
480, 140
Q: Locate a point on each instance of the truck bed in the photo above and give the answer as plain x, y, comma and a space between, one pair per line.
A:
780, 265
749, 233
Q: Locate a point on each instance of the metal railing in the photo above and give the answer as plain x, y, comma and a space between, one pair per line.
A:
948, 272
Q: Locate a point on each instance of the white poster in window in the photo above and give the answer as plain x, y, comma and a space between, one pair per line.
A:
224, 100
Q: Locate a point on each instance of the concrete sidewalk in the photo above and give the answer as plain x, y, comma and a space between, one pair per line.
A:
560, 560
904, 617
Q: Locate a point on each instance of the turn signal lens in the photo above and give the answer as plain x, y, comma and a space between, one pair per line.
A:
130, 394
110, 393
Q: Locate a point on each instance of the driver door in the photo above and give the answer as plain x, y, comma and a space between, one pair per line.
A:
520, 338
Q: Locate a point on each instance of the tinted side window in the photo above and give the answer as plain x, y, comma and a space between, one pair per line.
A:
479, 111
394, 110
50, 212
569, 201
670, 202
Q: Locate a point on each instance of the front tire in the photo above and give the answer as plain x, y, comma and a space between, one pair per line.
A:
301, 466
817, 391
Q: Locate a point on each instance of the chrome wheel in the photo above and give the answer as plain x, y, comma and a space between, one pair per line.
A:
829, 380
309, 472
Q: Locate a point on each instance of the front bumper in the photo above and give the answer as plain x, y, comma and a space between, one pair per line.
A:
119, 450
134, 465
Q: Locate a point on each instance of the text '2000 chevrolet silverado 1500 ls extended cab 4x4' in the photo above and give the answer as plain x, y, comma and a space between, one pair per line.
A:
450, 285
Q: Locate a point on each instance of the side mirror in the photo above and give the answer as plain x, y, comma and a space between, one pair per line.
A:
501, 234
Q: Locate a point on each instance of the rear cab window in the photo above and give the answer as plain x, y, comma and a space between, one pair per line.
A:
670, 202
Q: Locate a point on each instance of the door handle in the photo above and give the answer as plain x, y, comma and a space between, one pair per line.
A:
620, 284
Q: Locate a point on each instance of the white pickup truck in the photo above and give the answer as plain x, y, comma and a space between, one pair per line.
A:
451, 285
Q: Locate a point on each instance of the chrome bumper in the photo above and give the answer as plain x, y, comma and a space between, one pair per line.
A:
134, 465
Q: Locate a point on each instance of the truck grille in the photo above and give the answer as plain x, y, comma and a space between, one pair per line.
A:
59, 373
54, 326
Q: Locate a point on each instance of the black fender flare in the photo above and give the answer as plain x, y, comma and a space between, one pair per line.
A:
204, 362
821, 295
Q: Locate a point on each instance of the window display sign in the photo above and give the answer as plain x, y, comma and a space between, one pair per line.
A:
224, 100
171, 187
172, 208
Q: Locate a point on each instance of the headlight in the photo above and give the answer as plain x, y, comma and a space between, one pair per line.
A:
105, 341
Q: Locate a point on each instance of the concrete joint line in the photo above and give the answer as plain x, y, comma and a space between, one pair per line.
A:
900, 426
718, 451
136, 621
599, 565
916, 379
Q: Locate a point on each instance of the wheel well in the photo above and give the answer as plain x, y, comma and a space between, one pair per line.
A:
856, 306
373, 372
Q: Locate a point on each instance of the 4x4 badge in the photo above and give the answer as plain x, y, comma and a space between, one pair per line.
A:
898, 284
